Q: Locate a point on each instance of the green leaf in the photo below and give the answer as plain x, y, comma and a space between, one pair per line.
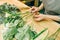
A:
10, 33
38, 35
22, 32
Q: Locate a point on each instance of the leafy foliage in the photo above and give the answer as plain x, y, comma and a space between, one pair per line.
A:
17, 27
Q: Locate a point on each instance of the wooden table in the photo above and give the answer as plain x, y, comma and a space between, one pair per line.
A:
38, 26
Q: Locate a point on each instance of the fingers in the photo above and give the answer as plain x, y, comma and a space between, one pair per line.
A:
35, 16
38, 17
34, 9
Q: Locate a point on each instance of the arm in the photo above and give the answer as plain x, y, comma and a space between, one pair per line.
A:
56, 18
41, 6
46, 17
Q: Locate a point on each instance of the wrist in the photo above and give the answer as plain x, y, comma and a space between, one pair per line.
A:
38, 9
47, 17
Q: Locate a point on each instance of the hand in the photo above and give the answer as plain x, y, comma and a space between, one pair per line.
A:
34, 9
39, 17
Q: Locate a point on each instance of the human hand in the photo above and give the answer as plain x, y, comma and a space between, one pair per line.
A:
39, 17
34, 9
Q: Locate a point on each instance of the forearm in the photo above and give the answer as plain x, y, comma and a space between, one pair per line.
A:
41, 6
56, 18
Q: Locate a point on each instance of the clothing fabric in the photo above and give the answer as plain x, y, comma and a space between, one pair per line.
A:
52, 7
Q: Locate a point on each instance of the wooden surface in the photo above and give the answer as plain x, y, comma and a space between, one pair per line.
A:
38, 26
